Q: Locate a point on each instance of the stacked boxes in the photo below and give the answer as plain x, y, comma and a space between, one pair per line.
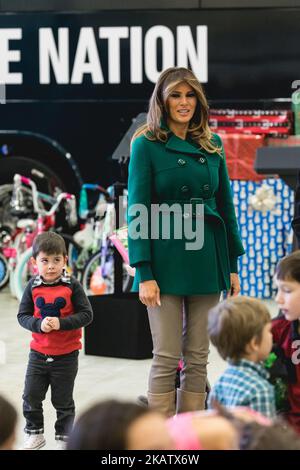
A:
240, 151
267, 237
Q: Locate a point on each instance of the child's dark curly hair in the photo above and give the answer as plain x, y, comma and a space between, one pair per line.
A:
278, 436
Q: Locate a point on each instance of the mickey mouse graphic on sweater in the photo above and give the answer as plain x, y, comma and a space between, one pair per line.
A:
52, 309
64, 299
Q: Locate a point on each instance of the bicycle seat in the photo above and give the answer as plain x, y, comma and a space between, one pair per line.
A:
26, 223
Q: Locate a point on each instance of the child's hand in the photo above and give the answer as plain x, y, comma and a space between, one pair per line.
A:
46, 326
54, 323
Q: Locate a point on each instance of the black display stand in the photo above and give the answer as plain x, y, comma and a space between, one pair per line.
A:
118, 262
120, 327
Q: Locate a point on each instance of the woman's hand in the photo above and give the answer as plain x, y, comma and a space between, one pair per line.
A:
235, 285
149, 293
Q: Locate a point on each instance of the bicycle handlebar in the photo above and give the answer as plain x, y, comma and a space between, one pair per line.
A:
95, 187
70, 198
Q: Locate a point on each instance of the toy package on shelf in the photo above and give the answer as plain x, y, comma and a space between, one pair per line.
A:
243, 131
255, 121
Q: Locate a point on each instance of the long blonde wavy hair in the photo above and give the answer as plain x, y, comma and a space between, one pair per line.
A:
198, 129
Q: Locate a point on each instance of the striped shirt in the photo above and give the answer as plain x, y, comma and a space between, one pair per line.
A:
245, 383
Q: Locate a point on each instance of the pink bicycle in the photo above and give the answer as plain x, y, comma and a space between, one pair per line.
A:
45, 221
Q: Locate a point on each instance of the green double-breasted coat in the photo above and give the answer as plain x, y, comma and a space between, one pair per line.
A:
178, 171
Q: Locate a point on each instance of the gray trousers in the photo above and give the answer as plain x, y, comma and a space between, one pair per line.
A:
179, 329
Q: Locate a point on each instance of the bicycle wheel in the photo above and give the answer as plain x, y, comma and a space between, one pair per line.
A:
97, 280
12, 283
20, 247
4, 272
74, 251
23, 273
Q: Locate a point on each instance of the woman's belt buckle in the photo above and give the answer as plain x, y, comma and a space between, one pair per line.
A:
196, 201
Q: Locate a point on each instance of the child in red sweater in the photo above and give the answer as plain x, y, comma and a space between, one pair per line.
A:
55, 308
286, 329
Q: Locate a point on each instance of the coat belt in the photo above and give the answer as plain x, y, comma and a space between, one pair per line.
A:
191, 203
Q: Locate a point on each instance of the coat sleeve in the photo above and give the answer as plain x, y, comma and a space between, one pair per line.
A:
227, 212
139, 203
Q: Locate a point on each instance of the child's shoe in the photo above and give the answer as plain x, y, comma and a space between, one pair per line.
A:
60, 444
33, 442
142, 401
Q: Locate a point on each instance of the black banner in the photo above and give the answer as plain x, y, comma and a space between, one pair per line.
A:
237, 54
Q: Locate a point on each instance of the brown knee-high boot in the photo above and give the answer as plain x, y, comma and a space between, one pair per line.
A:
190, 401
163, 402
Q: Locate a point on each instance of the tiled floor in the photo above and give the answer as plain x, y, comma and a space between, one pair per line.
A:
98, 377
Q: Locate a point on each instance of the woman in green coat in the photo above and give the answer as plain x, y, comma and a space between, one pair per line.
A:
183, 235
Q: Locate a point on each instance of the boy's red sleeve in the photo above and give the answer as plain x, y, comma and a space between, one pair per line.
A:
276, 330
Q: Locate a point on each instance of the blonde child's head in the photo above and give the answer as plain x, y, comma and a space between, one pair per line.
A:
240, 328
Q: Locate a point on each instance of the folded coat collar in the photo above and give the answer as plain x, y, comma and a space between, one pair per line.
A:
176, 144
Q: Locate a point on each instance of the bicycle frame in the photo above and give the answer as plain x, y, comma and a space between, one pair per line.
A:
46, 219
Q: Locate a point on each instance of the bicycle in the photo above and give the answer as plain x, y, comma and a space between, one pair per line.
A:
45, 221
90, 236
98, 273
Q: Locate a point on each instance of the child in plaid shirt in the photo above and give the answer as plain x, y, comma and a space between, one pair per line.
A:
240, 328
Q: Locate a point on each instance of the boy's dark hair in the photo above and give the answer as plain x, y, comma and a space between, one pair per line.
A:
278, 436
8, 420
105, 426
288, 267
233, 323
50, 243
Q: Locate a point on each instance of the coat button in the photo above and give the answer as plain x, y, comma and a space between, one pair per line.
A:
181, 162
184, 189
202, 160
206, 187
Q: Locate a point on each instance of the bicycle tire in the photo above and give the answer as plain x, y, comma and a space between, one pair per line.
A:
21, 248
87, 273
12, 284
19, 274
4, 272
72, 247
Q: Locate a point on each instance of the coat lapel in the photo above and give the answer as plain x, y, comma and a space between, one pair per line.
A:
175, 144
